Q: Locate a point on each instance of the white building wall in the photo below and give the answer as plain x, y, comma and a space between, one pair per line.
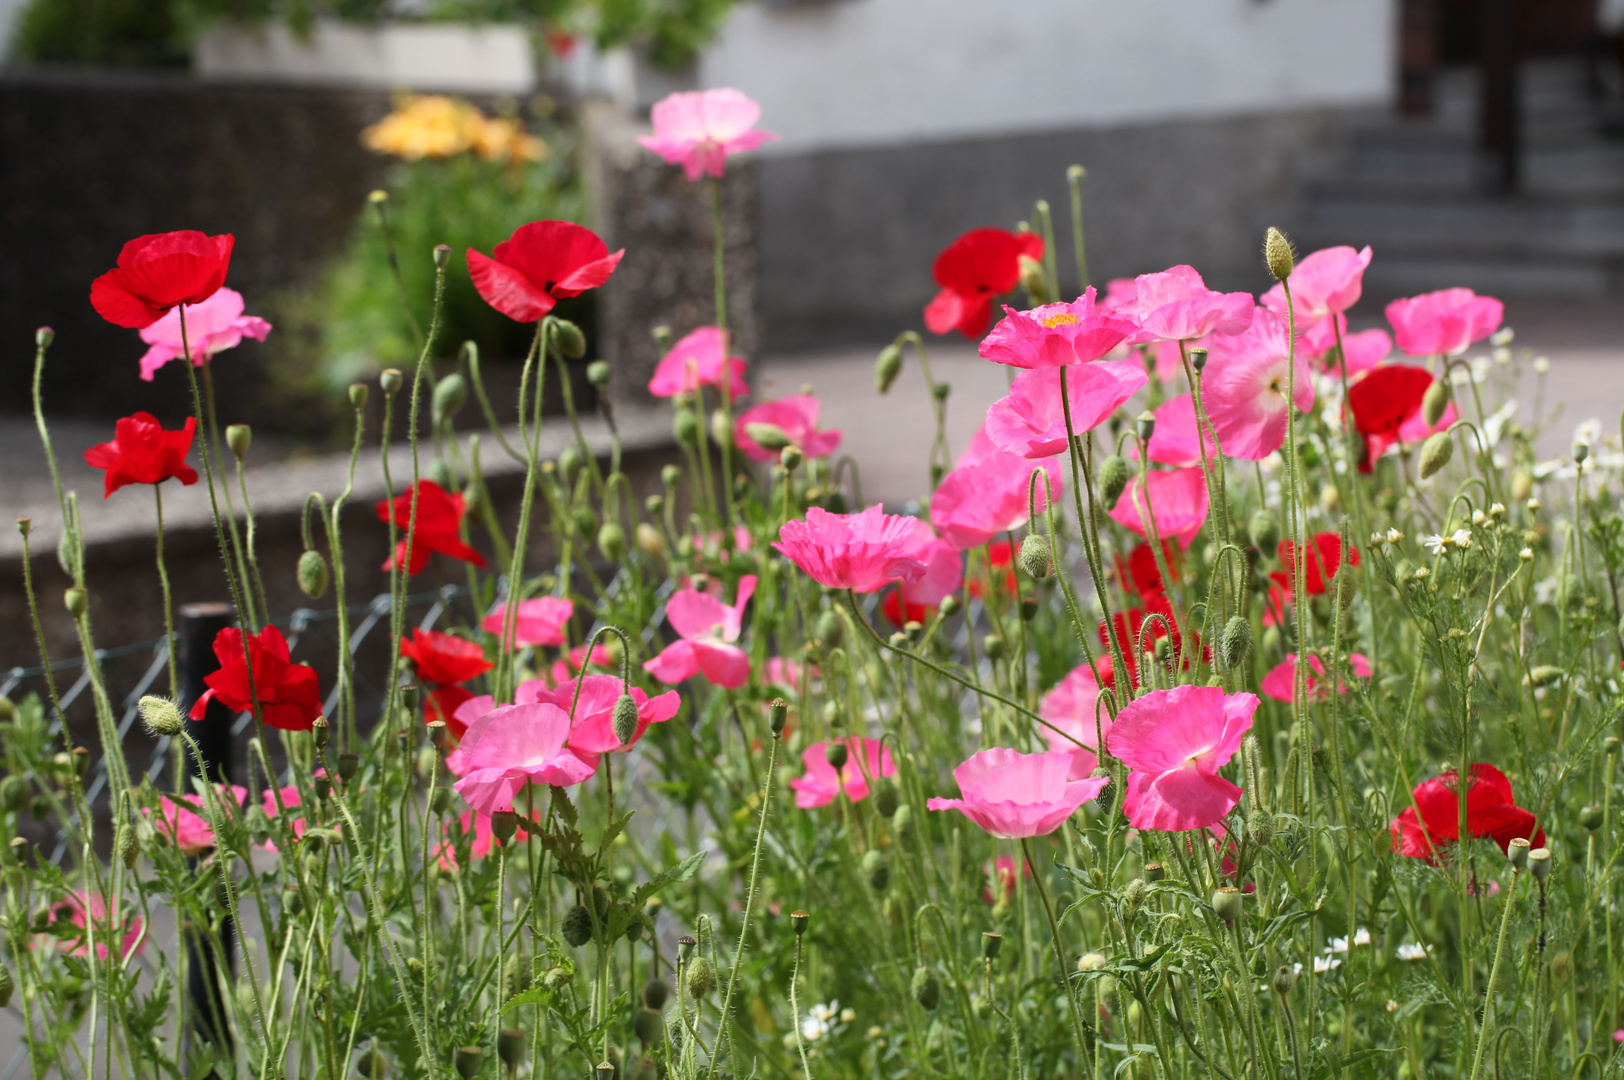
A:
846, 73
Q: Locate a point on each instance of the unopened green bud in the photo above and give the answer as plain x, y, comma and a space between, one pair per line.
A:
1198, 359
1435, 453
1260, 827
1034, 280
1580, 452
685, 427
721, 428
1036, 558
887, 367
1264, 530
656, 993
1544, 675
1278, 255
1235, 643
902, 821
8, 986
14, 793
161, 716
791, 458
1590, 817
648, 1025
8, 711
569, 340
1435, 402
837, 754
1113, 480
876, 870
358, 394
927, 988
348, 766
886, 798
625, 719
468, 1059
993, 645
1285, 980
311, 573
450, 393
440, 801
43, 337
612, 541
701, 977
767, 436
1144, 425
577, 926
238, 436
829, 630
597, 373
76, 600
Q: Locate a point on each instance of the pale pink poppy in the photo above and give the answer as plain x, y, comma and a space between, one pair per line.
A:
1030, 420
698, 129
1169, 357
1121, 294
513, 746
1415, 428
592, 731
797, 417
850, 551
944, 569
866, 760
1362, 350
1176, 305
1014, 795
696, 361
708, 629
785, 672
291, 803
576, 660
1324, 282
1281, 682
1175, 440
89, 912
183, 820
540, 621
986, 493
1178, 499
1443, 322
476, 825
1175, 741
213, 326
1244, 388
1055, 335
1071, 707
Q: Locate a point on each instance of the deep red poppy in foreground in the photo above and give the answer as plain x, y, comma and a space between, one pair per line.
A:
981, 264
142, 452
156, 272
1381, 401
439, 524
444, 662
540, 264
288, 694
1491, 811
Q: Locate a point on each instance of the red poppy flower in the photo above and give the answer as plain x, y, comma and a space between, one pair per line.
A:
142, 452
1139, 574
1125, 627
439, 525
156, 272
288, 694
1381, 402
1000, 557
540, 264
1318, 572
981, 264
898, 614
1491, 811
443, 662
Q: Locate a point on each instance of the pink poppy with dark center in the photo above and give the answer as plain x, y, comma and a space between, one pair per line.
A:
1324, 282
866, 760
1244, 388
1015, 796
986, 493
1175, 741
1281, 682
1177, 500
698, 129
512, 747
1030, 421
213, 326
1056, 335
1176, 305
1071, 707
696, 361
797, 417
1444, 322
539, 621
851, 551
708, 629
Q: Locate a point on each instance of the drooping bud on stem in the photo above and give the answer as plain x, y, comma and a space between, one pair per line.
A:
1285, 980
450, 393
568, 339
312, 573
1263, 529
1036, 558
598, 373
1435, 401
76, 600
887, 367
1235, 643
926, 988
161, 715
837, 754
625, 719
1113, 480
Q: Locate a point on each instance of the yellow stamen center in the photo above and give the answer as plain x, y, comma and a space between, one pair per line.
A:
1059, 320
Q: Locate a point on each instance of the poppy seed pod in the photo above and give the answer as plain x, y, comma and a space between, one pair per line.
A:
791, 458
504, 824
467, 1061
1144, 425
1517, 853
886, 799
442, 259
389, 381
798, 920
1198, 359
1278, 254
612, 541
1580, 452
685, 948
927, 989
951, 605
648, 1025
648, 540
76, 600
625, 718
829, 630
887, 367
348, 766
993, 645
568, 339
902, 821
372, 1065
576, 928
701, 977
991, 942
79, 759
837, 754
510, 1047
1590, 817
597, 373
1107, 793
450, 393
160, 715
1235, 643
1435, 453
1036, 558
44, 336
1435, 402
777, 715
238, 437
1113, 480
1539, 863
358, 394
1226, 903
876, 870
311, 573
1154, 872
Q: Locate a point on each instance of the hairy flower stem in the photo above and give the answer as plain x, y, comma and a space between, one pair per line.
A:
169, 626
504, 680
1487, 1030
725, 385
795, 1010
41, 343
1074, 179
1085, 525
33, 615
1059, 955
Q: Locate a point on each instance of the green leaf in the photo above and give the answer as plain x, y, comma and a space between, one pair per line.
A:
680, 872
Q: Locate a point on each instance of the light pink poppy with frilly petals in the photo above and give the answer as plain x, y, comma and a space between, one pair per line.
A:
1178, 498
797, 417
708, 629
89, 912
1281, 683
513, 746
540, 621
1056, 335
183, 821
1071, 707
1324, 282
944, 568
1176, 305
1030, 420
1175, 442
1443, 322
696, 361
986, 493
1175, 741
1362, 350
866, 760
698, 129
851, 551
592, 731
213, 326
1014, 795
1244, 388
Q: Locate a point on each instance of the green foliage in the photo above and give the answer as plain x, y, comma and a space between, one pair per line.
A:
108, 33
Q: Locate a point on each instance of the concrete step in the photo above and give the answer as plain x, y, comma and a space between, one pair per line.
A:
1472, 226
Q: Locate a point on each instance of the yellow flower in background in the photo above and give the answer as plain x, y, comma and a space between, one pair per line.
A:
432, 125
494, 138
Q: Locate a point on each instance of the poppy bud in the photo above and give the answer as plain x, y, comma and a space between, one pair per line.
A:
625, 718
777, 715
504, 823
311, 573
648, 1025
238, 437
1278, 255
941, 391
701, 977
887, 367
829, 630
837, 754
126, 845
1263, 529
510, 1047
648, 540
442, 259
440, 801
577, 926
1285, 980
44, 336
1226, 903
39, 808
1435, 402
886, 799
1035, 555
991, 942
348, 766
76, 600
7, 986
927, 989
721, 429
389, 380
993, 646
1517, 852
612, 541
437, 732
767, 436
1235, 643
950, 605
467, 1059
372, 1064
79, 758
1539, 863
1155, 872
8, 711
14, 793
876, 870
1260, 827
1543, 675
1034, 280
1113, 480
1435, 453
597, 373
160, 715
319, 730
1107, 793
449, 395
685, 427
568, 339
1145, 425
1198, 359
661, 335
1590, 817
358, 395
791, 458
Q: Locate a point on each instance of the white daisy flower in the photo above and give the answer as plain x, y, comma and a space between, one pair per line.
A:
1412, 951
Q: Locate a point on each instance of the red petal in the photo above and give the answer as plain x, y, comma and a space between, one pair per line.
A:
119, 306
589, 276
507, 289
1386, 397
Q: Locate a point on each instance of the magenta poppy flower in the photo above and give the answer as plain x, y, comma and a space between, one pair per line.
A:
1178, 499
986, 493
1443, 322
91, 914
709, 629
1362, 350
944, 574
698, 129
180, 819
1324, 282
1015, 796
1071, 707
1055, 335
1244, 388
696, 361
866, 760
1121, 294
213, 326
1176, 440
784, 672
1030, 420
540, 621
513, 746
851, 551
1176, 305
592, 731
797, 417
291, 802
1175, 741
1281, 682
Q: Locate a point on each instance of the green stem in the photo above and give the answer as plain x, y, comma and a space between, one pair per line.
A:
1494, 975
1059, 954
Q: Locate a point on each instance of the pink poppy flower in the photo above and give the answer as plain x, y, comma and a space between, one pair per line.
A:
513, 746
1175, 741
215, 325
986, 493
1070, 706
1365, 350
89, 912
1443, 322
1244, 388
1175, 440
709, 629
698, 129
1176, 305
290, 802
944, 568
866, 759
785, 672
797, 417
850, 551
1178, 498
1014, 795
696, 361
478, 825
1324, 282
183, 822
1030, 420
540, 621
1055, 335
577, 661
1001, 878
592, 732
1281, 683
1121, 294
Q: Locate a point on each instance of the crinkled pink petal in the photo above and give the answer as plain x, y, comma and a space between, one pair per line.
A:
1030, 421
1178, 800
676, 662
213, 326
699, 128
1177, 305
1015, 795
1055, 335
539, 621
850, 551
797, 417
1175, 442
728, 666
866, 759
1443, 322
1244, 388
1324, 282
1199, 726
1178, 500
696, 361
987, 493
692, 613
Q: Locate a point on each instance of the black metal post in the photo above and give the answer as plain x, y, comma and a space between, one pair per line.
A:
199, 624
1499, 107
